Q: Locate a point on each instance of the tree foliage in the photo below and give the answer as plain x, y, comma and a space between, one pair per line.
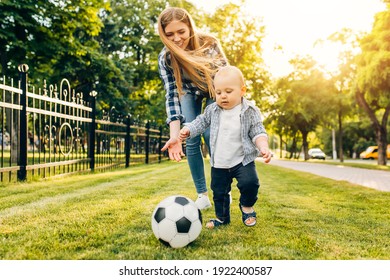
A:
241, 37
372, 85
129, 39
48, 35
302, 101
343, 80
107, 46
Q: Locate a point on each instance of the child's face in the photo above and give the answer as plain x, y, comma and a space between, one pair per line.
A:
178, 32
228, 90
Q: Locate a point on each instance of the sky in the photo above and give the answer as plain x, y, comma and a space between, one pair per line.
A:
296, 25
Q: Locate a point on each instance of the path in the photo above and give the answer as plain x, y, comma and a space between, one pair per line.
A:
375, 179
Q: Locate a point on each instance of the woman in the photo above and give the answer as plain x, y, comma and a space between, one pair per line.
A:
187, 65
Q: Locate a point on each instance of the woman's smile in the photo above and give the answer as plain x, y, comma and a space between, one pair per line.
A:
178, 32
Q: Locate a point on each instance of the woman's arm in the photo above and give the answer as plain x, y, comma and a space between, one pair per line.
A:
173, 145
172, 103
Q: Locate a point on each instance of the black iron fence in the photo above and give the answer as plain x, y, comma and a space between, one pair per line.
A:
54, 130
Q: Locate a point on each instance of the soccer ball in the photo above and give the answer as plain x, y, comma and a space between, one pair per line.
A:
176, 221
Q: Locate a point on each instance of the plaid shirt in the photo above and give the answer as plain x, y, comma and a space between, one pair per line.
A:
172, 101
251, 128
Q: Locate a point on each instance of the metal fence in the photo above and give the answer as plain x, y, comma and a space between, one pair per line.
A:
53, 130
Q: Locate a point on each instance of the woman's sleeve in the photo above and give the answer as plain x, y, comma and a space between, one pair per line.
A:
172, 102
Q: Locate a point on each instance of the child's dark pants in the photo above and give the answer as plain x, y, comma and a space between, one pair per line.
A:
221, 181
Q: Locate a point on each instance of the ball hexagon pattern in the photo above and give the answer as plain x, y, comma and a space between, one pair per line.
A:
176, 221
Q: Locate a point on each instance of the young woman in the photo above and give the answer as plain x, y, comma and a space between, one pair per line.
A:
187, 65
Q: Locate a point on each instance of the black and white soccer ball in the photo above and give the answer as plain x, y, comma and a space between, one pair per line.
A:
176, 221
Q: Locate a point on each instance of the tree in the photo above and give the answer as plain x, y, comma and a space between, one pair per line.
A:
241, 37
280, 119
48, 36
130, 39
44, 34
107, 46
343, 79
372, 86
302, 100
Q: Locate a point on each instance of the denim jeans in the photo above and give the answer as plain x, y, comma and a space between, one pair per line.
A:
221, 184
191, 106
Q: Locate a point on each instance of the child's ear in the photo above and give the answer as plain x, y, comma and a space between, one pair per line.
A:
243, 90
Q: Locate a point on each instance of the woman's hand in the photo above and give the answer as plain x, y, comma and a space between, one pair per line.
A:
175, 149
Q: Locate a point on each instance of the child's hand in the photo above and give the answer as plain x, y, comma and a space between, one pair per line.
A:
184, 133
262, 145
266, 154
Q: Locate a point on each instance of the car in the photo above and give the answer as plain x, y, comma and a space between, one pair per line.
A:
372, 153
316, 153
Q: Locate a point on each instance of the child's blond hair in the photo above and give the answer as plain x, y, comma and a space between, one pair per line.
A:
231, 69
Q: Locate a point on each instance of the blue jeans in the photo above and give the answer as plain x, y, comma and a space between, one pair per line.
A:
191, 106
221, 184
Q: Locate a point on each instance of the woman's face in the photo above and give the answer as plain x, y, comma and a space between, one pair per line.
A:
179, 33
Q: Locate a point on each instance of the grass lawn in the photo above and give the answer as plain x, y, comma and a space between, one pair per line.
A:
106, 216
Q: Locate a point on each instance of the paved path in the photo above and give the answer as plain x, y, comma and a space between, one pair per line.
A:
375, 179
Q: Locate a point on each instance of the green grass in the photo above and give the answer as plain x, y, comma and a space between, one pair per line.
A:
107, 216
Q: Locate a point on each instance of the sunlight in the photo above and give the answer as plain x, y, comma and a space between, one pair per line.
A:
327, 56
295, 26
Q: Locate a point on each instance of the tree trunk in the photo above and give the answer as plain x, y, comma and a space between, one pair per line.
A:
380, 128
381, 135
341, 152
281, 147
293, 147
305, 144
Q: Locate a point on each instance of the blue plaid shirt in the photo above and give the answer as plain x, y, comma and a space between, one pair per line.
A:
251, 128
172, 101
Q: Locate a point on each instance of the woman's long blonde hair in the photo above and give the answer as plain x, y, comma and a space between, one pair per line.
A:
199, 66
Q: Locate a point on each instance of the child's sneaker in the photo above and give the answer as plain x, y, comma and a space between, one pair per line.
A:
203, 202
